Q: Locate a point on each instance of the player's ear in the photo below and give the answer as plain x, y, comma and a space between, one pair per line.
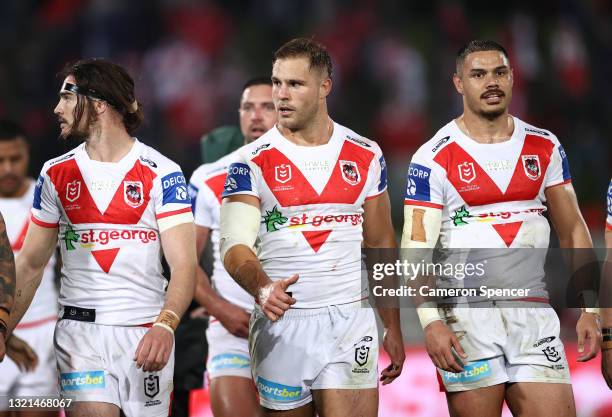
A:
100, 106
458, 83
326, 86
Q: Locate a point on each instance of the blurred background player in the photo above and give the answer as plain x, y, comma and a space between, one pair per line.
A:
312, 192
482, 163
116, 205
606, 311
229, 305
38, 323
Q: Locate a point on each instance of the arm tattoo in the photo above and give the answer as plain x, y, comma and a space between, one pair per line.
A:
7, 269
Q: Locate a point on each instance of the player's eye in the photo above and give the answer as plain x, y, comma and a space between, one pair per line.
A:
269, 107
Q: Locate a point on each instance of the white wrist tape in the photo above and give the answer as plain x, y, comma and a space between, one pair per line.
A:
239, 225
421, 227
428, 313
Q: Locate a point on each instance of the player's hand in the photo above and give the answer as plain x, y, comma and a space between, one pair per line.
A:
439, 339
22, 354
589, 335
273, 298
154, 349
234, 319
393, 343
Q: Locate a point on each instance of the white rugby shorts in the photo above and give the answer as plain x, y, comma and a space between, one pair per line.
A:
96, 364
307, 349
506, 345
228, 355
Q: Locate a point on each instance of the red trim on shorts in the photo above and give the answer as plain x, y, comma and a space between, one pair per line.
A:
533, 299
172, 213
147, 325
43, 224
408, 202
36, 323
441, 386
608, 226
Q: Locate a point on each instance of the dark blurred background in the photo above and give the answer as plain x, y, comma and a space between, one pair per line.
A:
393, 62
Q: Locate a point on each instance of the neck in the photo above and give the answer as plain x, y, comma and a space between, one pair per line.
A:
484, 130
318, 132
108, 144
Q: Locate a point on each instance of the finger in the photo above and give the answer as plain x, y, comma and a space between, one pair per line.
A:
282, 297
288, 281
580, 341
452, 362
442, 361
159, 359
458, 347
137, 352
144, 352
149, 364
277, 311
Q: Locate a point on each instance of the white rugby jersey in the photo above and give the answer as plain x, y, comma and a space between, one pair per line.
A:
110, 216
609, 219
312, 210
491, 195
16, 213
206, 187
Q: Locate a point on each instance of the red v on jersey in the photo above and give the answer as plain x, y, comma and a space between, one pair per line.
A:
508, 231
216, 184
291, 188
79, 205
316, 238
105, 258
475, 186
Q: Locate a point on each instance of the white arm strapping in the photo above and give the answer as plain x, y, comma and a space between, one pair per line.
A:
239, 226
421, 231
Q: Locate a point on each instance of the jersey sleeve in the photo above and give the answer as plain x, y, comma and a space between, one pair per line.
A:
45, 209
172, 201
558, 171
204, 205
609, 218
242, 178
378, 172
424, 183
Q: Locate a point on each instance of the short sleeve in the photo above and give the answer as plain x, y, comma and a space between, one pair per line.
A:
172, 201
45, 210
204, 205
424, 183
241, 179
378, 171
558, 172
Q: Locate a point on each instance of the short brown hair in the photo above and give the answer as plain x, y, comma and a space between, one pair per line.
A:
109, 82
477, 46
304, 47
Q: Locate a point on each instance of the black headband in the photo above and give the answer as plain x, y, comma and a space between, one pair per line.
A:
93, 94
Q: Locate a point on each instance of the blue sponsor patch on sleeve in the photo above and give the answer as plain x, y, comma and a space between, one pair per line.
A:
564, 164
37, 192
417, 187
238, 179
278, 392
174, 188
383, 174
475, 371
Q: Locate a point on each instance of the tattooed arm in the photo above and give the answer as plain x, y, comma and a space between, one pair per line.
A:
7, 283
37, 248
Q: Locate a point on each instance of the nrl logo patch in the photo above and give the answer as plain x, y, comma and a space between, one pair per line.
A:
531, 165
350, 172
151, 386
467, 172
73, 190
282, 173
133, 193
